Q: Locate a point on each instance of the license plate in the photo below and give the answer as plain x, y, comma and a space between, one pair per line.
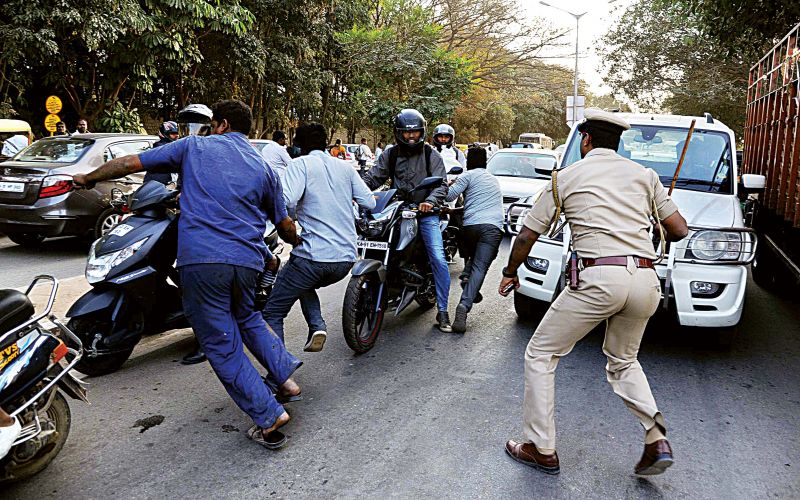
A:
372, 245
8, 354
12, 187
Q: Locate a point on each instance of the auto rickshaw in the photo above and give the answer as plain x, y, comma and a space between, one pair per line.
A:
15, 135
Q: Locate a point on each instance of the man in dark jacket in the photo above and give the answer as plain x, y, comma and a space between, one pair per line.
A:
407, 164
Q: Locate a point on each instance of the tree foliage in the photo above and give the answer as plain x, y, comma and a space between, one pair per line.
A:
350, 64
666, 62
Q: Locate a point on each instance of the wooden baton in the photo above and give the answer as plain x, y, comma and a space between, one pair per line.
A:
680, 161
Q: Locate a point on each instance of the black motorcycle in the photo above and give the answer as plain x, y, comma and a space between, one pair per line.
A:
135, 285
394, 269
35, 365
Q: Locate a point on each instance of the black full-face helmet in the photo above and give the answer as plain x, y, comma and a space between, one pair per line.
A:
167, 129
444, 130
409, 120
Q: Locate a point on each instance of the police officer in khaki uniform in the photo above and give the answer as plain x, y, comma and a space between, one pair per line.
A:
608, 201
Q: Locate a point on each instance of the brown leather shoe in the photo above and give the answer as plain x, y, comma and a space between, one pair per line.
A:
528, 454
657, 458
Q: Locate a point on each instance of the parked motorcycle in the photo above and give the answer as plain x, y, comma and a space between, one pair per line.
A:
135, 285
35, 373
394, 269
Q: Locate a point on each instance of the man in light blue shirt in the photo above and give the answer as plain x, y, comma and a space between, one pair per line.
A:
275, 154
482, 231
321, 190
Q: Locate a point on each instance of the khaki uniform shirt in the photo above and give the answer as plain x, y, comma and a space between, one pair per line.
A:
607, 200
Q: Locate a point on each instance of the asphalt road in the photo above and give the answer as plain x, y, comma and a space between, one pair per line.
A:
425, 414
60, 257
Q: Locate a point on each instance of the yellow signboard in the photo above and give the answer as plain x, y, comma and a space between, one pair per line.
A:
50, 122
52, 105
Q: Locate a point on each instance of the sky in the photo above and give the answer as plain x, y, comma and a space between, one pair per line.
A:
601, 16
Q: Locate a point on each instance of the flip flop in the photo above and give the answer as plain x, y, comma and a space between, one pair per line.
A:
275, 439
282, 399
291, 398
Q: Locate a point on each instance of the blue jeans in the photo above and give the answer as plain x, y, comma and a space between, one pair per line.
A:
299, 279
218, 302
432, 237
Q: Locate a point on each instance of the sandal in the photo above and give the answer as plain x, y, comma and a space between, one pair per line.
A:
274, 440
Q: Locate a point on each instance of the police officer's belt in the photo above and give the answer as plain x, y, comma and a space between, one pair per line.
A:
617, 261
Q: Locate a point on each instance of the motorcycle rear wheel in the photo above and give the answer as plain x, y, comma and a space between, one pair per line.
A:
105, 362
60, 415
361, 324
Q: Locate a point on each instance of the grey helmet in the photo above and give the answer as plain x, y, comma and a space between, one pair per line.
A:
447, 130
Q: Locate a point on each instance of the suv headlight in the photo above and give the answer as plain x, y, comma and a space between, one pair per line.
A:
715, 245
97, 268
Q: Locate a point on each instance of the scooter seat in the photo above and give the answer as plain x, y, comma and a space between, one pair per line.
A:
15, 309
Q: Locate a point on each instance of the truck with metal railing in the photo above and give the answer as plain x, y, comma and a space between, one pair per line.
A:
772, 157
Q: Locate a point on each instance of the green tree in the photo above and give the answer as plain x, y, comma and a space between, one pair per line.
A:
100, 51
399, 64
665, 62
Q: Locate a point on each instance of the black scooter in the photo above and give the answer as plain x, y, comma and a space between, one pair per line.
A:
136, 287
35, 366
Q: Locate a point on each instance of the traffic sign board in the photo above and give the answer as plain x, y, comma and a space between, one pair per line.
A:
50, 122
52, 105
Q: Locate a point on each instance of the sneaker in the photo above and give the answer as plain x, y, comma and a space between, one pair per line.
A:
443, 320
460, 323
316, 341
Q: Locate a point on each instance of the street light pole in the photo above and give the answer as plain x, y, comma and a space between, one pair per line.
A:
575, 81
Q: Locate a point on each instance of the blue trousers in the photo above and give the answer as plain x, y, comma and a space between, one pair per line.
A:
432, 237
299, 279
218, 302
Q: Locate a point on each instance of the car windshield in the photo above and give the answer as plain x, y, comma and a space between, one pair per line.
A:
527, 165
55, 150
706, 167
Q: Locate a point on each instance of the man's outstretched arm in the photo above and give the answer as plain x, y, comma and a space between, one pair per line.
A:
112, 169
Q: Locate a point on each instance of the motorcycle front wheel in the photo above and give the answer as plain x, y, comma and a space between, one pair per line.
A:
21, 462
361, 323
106, 361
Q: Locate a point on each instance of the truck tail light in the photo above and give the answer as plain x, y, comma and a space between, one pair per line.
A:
55, 185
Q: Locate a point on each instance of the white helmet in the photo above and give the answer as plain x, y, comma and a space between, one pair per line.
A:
194, 118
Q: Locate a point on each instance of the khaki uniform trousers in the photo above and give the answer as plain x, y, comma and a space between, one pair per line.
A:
624, 297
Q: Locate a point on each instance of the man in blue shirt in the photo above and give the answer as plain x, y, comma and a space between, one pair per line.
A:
321, 189
228, 194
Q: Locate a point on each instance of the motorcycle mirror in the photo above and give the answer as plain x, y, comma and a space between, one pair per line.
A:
456, 171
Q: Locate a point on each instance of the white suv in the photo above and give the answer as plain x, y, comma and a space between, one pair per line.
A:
703, 277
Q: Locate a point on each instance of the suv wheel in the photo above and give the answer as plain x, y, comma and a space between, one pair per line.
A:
27, 240
528, 308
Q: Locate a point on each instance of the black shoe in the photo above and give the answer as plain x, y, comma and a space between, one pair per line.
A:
443, 319
460, 324
193, 358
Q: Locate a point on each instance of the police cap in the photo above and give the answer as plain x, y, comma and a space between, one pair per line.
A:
598, 119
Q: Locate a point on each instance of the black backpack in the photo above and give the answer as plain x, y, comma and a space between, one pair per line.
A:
393, 152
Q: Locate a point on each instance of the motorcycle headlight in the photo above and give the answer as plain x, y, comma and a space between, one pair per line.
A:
97, 268
715, 245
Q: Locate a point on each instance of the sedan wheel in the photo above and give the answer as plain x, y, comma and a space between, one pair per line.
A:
106, 222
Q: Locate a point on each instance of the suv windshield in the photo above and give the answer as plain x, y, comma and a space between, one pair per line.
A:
55, 150
707, 166
530, 166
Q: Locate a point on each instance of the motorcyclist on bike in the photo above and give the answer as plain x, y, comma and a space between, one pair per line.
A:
444, 140
167, 132
407, 164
